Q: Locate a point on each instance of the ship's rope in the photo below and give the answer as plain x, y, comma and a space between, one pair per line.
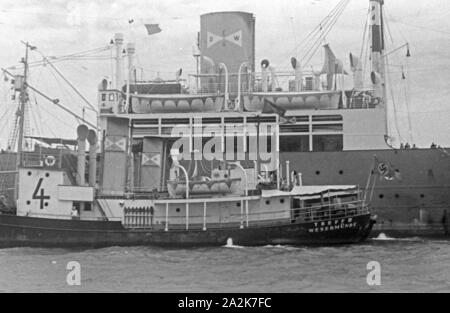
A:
92, 54
311, 35
404, 86
324, 31
364, 54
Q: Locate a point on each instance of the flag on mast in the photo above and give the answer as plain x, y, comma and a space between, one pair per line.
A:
386, 171
152, 29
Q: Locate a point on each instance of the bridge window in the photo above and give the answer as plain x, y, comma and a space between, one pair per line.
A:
321, 128
328, 143
327, 118
294, 143
294, 128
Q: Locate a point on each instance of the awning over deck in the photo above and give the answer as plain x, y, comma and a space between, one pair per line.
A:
309, 191
54, 141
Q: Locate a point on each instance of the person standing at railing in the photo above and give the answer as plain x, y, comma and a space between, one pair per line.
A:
74, 213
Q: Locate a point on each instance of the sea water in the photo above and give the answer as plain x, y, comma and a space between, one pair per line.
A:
411, 265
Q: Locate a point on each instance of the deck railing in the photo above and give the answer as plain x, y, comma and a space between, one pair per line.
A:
330, 211
148, 217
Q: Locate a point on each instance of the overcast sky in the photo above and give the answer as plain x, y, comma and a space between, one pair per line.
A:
63, 27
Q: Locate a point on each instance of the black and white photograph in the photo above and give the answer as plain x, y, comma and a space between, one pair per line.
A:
218, 150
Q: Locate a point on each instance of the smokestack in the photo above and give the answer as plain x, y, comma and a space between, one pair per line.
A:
82, 132
118, 43
92, 139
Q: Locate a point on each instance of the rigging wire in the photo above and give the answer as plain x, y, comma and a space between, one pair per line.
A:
83, 55
305, 42
403, 85
62, 89
312, 51
363, 55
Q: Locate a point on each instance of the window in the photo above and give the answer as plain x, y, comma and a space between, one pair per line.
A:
322, 128
294, 128
328, 143
175, 121
87, 207
103, 96
327, 118
294, 143
112, 97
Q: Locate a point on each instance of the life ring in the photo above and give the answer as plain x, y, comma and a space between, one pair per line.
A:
265, 63
50, 160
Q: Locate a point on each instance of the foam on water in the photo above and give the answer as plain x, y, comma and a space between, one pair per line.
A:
231, 245
382, 236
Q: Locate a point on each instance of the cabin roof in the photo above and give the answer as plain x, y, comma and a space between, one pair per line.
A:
145, 116
56, 141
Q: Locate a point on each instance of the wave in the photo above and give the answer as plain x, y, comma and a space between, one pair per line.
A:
231, 245
384, 237
284, 247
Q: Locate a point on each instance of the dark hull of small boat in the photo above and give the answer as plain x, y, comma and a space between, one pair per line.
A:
18, 231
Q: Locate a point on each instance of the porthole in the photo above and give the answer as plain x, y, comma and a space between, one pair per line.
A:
341, 172
422, 196
47, 174
267, 202
238, 204
46, 203
178, 210
281, 201
381, 196
317, 172
397, 195
29, 173
28, 202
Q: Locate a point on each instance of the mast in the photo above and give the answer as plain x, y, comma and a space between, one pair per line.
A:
378, 74
22, 102
23, 98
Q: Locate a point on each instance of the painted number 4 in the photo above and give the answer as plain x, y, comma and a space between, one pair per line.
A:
39, 194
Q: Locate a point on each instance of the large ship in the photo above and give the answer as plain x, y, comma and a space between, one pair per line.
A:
329, 134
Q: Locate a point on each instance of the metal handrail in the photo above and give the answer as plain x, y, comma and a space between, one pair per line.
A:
69, 217
140, 217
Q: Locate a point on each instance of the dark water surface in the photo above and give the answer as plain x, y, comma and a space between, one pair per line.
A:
406, 265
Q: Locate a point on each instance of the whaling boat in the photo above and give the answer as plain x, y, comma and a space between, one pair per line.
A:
137, 196
160, 201
151, 192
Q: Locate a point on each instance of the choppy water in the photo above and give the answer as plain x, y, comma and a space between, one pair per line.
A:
406, 265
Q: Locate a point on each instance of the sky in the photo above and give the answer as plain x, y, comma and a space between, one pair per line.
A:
60, 27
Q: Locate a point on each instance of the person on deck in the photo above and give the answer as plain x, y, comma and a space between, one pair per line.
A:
74, 213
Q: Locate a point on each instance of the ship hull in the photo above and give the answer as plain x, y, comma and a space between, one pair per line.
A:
413, 206
417, 204
18, 231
